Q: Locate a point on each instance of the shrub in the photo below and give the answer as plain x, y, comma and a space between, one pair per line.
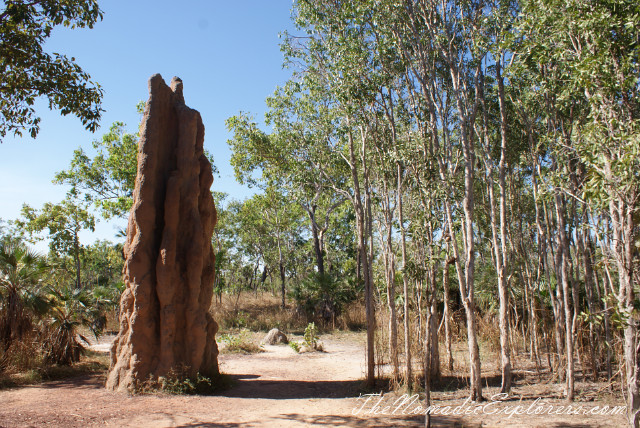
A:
323, 297
178, 382
239, 344
311, 335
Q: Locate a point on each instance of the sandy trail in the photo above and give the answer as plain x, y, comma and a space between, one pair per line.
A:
276, 388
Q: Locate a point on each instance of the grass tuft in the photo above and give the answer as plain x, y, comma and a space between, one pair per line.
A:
239, 344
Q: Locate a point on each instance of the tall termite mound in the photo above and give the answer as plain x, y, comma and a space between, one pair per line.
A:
165, 323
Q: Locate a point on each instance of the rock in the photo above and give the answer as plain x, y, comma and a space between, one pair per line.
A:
304, 348
165, 323
274, 337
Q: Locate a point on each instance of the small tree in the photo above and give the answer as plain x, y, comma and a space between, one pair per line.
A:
107, 180
64, 222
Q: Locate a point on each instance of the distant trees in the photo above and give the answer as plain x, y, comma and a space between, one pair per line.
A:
63, 223
28, 72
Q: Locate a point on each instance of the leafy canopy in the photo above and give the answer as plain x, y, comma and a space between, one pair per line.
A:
63, 221
28, 72
109, 178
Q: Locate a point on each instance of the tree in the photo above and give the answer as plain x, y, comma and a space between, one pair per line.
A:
288, 158
107, 180
64, 221
273, 222
28, 72
584, 60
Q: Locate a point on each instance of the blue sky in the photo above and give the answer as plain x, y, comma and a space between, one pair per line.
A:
226, 53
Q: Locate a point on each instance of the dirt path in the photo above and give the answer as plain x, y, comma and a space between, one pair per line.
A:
277, 388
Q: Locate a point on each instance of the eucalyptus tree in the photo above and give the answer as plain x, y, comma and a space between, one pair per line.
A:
239, 247
270, 222
288, 159
496, 147
529, 113
440, 42
334, 64
595, 47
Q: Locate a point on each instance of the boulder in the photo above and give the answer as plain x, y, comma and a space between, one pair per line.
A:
274, 337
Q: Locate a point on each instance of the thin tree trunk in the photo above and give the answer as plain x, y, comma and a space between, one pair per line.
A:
405, 286
316, 246
282, 279
624, 239
563, 254
386, 243
501, 255
362, 228
446, 312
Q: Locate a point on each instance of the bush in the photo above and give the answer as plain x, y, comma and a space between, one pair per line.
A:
177, 382
323, 297
309, 341
239, 344
294, 345
311, 335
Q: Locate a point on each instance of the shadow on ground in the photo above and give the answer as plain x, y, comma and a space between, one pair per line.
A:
251, 386
343, 421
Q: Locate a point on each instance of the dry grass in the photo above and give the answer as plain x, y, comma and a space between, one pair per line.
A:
255, 312
90, 363
21, 356
242, 342
353, 318
529, 379
263, 311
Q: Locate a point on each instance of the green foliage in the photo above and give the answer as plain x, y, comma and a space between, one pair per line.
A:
294, 345
311, 335
309, 341
619, 319
107, 180
584, 57
241, 320
323, 297
63, 222
70, 309
239, 343
41, 306
102, 265
21, 297
28, 72
178, 382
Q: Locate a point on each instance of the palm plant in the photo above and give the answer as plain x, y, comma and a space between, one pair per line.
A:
70, 309
21, 270
21, 298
